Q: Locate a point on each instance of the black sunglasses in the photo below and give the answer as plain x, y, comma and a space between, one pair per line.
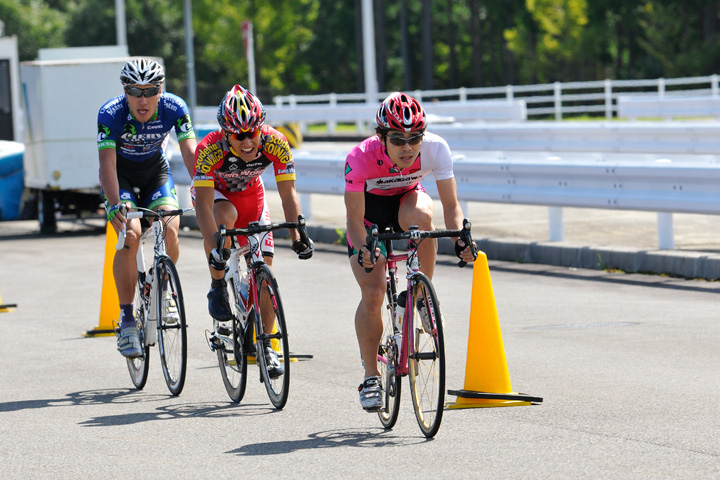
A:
243, 135
401, 141
142, 92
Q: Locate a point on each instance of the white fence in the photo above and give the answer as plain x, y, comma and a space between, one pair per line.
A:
363, 115
507, 103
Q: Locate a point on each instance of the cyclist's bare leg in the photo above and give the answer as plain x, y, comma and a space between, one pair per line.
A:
267, 313
172, 243
368, 316
225, 214
416, 208
125, 265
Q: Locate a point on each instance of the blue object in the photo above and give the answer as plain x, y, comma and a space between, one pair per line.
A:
11, 179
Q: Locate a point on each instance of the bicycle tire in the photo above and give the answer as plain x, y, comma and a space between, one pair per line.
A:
387, 362
426, 358
140, 366
172, 334
233, 359
267, 292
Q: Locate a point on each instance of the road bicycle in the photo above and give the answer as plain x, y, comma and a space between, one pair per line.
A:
413, 342
158, 305
254, 299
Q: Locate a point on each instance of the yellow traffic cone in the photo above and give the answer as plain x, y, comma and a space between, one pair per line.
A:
487, 382
109, 303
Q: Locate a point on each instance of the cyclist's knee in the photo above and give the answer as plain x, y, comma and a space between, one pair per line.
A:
421, 215
373, 293
225, 214
132, 239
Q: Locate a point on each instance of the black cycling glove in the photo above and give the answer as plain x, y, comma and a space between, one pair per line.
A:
459, 248
218, 260
303, 250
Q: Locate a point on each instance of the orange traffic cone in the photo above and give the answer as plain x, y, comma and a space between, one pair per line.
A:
9, 307
487, 382
109, 303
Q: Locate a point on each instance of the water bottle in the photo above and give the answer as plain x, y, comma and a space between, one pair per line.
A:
244, 291
400, 310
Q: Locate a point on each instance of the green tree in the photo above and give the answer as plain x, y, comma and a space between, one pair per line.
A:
154, 28
681, 37
282, 37
34, 23
547, 48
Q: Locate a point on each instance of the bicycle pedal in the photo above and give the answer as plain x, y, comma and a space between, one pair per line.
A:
213, 341
223, 330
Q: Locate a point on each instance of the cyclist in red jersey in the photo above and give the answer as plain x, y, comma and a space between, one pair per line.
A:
382, 186
228, 189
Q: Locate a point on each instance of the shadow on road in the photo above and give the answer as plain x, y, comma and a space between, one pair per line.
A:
361, 438
126, 396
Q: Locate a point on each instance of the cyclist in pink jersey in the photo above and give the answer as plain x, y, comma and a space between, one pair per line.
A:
382, 186
229, 191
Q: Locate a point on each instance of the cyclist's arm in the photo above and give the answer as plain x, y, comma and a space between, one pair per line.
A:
452, 212
290, 204
109, 181
355, 209
187, 150
204, 200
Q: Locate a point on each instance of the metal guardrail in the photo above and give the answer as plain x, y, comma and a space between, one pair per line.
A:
663, 167
643, 182
633, 107
586, 137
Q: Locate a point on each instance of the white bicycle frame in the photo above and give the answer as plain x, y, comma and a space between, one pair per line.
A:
234, 272
153, 296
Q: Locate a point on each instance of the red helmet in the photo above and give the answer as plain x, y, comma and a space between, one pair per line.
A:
240, 111
401, 112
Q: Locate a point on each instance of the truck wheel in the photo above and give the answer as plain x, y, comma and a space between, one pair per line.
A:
46, 212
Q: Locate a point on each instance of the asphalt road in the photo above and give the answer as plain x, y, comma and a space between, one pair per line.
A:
627, 366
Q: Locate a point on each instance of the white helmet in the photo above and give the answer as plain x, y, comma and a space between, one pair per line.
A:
142, 71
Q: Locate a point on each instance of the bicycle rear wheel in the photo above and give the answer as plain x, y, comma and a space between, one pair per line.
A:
270, 305
172, 327
139, 367
387, 363
426, 356
232, 357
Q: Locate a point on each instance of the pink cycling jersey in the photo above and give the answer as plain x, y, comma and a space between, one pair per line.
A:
368, 168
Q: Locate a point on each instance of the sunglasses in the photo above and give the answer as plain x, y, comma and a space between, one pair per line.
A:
243, 135
401, 141
142, 92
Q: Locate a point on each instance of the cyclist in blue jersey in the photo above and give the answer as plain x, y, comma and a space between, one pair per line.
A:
133, 131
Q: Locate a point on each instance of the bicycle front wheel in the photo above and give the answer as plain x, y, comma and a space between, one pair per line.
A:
387, 364
276, 378
140, 366
426, 356
172, 326
232, 357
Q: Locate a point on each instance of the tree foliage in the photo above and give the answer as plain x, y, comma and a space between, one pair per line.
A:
315, 46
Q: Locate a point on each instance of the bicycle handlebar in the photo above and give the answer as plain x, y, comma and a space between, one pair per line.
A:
414, 234
143, 213
254, 228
